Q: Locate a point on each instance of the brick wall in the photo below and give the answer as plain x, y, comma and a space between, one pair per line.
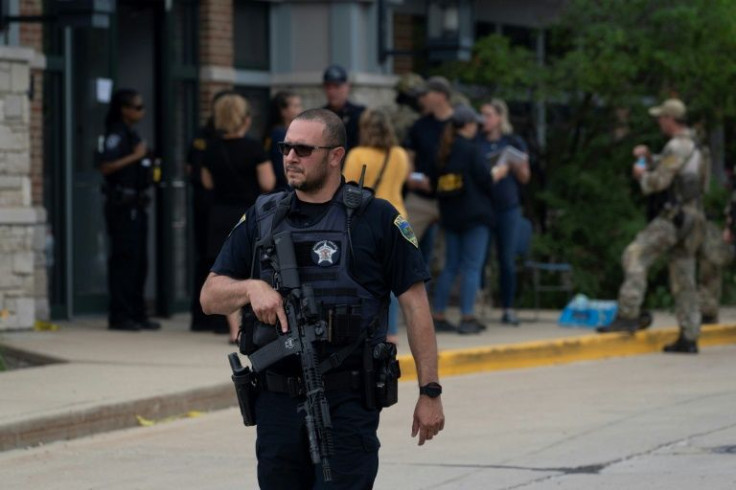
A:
215, 48
31, 36
403, 41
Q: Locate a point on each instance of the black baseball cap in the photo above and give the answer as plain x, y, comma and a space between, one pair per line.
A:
335, 74
463, 114
437, 84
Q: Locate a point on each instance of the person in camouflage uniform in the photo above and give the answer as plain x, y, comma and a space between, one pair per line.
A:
713, 255
676, 232
408, 107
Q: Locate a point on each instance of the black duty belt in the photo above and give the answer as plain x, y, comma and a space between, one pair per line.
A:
293, 385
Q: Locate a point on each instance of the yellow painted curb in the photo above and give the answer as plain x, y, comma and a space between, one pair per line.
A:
562, 351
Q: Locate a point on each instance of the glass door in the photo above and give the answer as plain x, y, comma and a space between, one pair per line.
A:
89, 60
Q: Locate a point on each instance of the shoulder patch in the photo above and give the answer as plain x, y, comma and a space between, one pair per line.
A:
112, 141
199, 144
406, 230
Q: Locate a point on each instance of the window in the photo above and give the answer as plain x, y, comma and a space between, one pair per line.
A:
251, 33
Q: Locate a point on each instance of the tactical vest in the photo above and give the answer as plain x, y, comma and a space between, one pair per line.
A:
688, 183
323, 257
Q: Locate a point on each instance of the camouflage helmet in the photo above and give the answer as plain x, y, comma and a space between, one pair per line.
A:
410, 84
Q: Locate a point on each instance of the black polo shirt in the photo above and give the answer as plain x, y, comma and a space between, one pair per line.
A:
423, 138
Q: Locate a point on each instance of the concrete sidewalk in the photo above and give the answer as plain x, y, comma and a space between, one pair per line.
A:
104, 380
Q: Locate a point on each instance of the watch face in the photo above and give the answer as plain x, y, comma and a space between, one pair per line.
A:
432, 390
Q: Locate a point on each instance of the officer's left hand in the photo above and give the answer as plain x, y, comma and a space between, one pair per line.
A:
429, 419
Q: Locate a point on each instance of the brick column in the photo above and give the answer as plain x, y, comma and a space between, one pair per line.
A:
31, 36
20, 246
404, 38
215, 51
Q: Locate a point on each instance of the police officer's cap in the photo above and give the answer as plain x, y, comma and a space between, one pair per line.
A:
335, 74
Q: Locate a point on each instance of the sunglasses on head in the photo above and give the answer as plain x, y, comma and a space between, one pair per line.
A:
300, 149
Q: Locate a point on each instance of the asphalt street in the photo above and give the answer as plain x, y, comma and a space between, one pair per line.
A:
647, 422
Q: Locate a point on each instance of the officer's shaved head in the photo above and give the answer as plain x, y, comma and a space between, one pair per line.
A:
334, 128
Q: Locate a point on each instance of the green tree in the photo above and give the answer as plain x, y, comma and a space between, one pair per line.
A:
607, 62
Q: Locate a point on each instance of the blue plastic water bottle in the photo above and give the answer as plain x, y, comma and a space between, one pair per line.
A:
641, 162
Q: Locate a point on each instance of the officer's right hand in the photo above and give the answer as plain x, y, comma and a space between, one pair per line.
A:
267, 304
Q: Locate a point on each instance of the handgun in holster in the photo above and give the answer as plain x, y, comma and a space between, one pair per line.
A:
381, 373
247, 388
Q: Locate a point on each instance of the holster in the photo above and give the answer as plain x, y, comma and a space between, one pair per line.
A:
381, 375
247, 389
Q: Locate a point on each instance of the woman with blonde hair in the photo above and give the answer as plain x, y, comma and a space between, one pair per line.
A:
237, 170
506, 199
387, 168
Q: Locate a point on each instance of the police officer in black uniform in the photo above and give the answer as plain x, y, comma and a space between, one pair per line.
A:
330, 239
128, 174
337, 91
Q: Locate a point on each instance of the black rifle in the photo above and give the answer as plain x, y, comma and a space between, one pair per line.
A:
305, 327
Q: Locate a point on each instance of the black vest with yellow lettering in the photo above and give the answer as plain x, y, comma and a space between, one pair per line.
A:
323, 256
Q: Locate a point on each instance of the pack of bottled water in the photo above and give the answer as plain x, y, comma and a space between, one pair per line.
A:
588, 313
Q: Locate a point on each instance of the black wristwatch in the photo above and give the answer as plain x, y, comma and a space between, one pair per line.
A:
432, 390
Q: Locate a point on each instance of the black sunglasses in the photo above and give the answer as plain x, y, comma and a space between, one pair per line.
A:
300, 150
138, 107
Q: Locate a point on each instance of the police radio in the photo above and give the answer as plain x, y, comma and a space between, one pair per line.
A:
352, 197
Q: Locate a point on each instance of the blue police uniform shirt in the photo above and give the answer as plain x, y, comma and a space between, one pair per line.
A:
120, 141
383, 244
423, 138
506, 193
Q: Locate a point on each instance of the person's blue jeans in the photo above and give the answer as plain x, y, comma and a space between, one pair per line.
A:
464, 255
505, 235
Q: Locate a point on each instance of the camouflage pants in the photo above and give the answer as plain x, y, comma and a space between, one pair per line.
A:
713, 255
661, 237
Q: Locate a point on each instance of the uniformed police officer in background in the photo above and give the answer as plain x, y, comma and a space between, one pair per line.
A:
337, 90
128, 174
676, 232
328, 246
